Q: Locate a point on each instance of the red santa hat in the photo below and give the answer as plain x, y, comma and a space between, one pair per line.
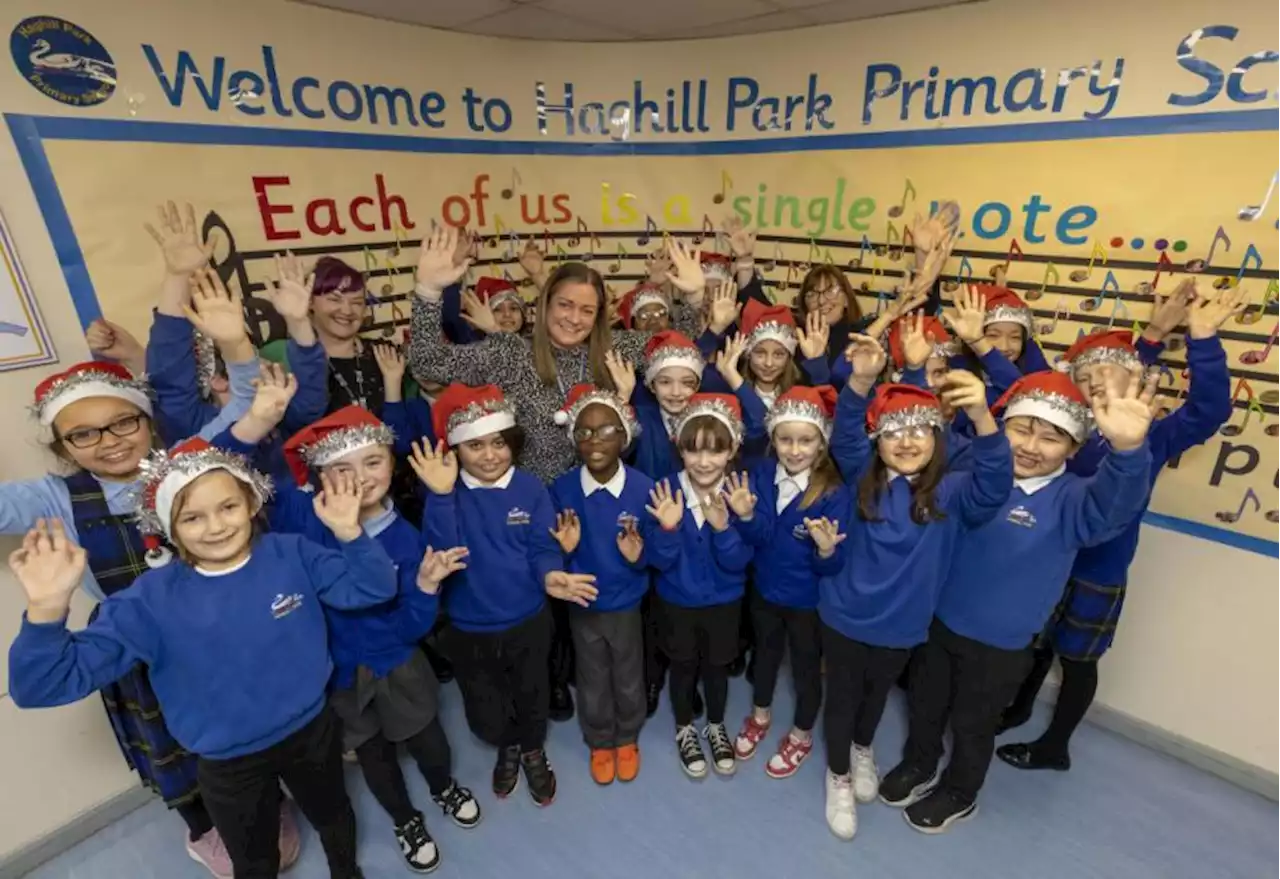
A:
1049, 396
462, 413
491, 291
637, 298
1114, 346
768, 323
85, 380
816, 406
715, 266
934, 331
898, 407
584, 395
165, 474
724, 408
335, 436
1005, 306
671, 348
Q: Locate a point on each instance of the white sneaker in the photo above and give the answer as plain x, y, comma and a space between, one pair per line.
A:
866, 777
842, 812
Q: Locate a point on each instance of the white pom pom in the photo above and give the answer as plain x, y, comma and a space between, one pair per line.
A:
158, 557
561, 417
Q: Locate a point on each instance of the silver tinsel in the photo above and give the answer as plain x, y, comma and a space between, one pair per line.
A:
158, 466
675, 355
342, 442
795, 410
916, 416
1010, 314
476, 411
783, 334
1105, 354
1074, 412
716, 409
206, 363
138, 384
604, 398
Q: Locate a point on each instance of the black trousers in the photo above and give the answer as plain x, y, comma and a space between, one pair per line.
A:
778, 628
242, 795
700, 642
859, 678
380, 763
503, 678
560, 657
968, 683
655, 660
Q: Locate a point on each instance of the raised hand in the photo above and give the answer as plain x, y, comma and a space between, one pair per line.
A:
940, 227
715, 510
1124, 416
825, 534
967, 314
622, 373
867, 358
436, 268
727, 363
1207, 315
437, 566
50, 568
577, 588
657, 266
534, 262
179, 240
214, 311
390, 362
742, 241
724, 308
436, 467
812, 338
916, 346
688, 277
737, 492
462, 251
114, 342
963, 390
338, 505
630, 543
478, 314
1169, 310
290, 293
667, 508
568, 531
275, 387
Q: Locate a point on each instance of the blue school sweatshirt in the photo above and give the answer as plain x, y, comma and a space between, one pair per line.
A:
1207, 407
621, 584
507, 528
785, 565
1008, 575
710, 567
653, 453
239, 660
887, 591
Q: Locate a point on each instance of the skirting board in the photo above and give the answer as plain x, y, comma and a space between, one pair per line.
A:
77, 830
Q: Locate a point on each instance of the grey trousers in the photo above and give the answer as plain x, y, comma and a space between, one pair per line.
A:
609, 647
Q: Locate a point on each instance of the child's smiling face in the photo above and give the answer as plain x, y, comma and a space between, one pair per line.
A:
600, 437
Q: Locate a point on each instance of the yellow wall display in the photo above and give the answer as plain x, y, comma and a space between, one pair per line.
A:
1135, 146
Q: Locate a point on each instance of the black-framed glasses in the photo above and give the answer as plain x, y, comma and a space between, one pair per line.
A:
88, 437
831, 294
603, 433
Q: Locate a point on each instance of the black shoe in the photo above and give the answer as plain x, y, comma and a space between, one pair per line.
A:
723, 758
698, 706
939, 810
419, 850
561, 703
1029, 755
738, 666
906, 784
653, 695
506, 772
692, 760
458, 803
1012, 720
542, 780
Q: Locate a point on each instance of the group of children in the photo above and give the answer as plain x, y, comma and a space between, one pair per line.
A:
923, 520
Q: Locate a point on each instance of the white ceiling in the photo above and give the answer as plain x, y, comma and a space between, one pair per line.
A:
625, 20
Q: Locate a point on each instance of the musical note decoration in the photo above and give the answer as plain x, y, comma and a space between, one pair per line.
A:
726, 183
1253, 314
650, 229
908, 193
1199, 265
1251, 212
1110, 286
1260, 355
1250, 497
508, 192
1050, 271
1098, 252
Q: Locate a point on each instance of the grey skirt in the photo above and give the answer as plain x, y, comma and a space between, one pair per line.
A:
397, 706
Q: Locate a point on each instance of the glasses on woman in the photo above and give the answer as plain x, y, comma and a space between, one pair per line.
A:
918, 432
603, 433
830, 294
88, 437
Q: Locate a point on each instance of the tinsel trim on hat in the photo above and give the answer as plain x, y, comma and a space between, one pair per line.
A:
945, 350
1104, 354
206, 363
773, 331
795, 410
1009, 314
716, 271
674, 355
1072, 416
513, 295
901, 419
159, 466
76, 381
717, 410
338, 443
649, 297
601, 397
475, 411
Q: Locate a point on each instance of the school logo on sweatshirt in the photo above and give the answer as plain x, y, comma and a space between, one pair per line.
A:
1020, 515
800, 532
283, 605
626, 519
517, 516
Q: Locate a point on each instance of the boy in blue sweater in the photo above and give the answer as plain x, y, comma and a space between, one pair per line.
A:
255, 714
988, 615
604, 530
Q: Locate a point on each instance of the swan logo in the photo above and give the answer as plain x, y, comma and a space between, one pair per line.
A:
63, 61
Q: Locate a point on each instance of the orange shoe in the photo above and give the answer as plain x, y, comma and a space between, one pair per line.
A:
628, 762
603, 767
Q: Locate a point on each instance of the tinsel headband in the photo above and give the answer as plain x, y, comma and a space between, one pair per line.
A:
902, 419
714, 409
84, 381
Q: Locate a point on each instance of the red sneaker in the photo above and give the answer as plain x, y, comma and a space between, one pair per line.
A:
791, 753
753, 732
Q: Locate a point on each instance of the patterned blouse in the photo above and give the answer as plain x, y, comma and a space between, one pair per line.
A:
506, 360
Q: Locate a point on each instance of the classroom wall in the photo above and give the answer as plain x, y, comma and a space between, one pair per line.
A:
1195, 655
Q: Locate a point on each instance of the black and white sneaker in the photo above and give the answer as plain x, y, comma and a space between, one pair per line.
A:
541, 778
906, 784
723, 759
506, 772
419, 850
939, 810
458, 803
692, 760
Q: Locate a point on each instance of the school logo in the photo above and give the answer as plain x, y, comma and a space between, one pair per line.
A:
283, 605
63, 61
800, 532
517, 516
1022, 516
626, 520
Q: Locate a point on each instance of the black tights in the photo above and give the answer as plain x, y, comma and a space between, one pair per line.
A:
1079, 685
380, 763
684, 681
196, 817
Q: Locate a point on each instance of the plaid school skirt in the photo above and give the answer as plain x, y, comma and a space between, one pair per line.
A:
1084, 624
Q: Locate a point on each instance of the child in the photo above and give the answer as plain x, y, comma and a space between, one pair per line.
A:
645, 308
797, 493
908, 514
502, 299
255, 714
700, 594
1008, 325
501, 625
988, 614
604, 531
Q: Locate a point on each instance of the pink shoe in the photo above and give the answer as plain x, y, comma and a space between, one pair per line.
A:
290, 840
791, 753
210, 851
749, 738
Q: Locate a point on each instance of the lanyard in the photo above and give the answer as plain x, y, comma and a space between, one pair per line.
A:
360, 399
582, 377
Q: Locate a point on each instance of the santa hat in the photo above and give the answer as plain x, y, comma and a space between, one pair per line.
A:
491, 291
85, 380
582, 396
715, 266
164, 475
206, 362
462, 413
724, 408
671, 348
1005, 306
816, 406
766, 323
638, 298
335, 436
934, 331
898, 407
1114, 346
1049, 396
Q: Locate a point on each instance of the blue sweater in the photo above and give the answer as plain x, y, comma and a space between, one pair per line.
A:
710, 567
239, 660
1207, 408
508, 533
653, 453
887, 591
621, 584
786, 566
1008, 575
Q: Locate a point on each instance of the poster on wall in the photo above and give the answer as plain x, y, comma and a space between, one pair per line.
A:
24, 341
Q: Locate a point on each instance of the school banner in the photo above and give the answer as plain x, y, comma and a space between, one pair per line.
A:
1101, 152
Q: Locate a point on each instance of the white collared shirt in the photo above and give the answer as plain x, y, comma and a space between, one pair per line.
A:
1032, 484
768, 397
894, 474
614, 486
503, 481
375, 525
790, 485
670, 422
692, 500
